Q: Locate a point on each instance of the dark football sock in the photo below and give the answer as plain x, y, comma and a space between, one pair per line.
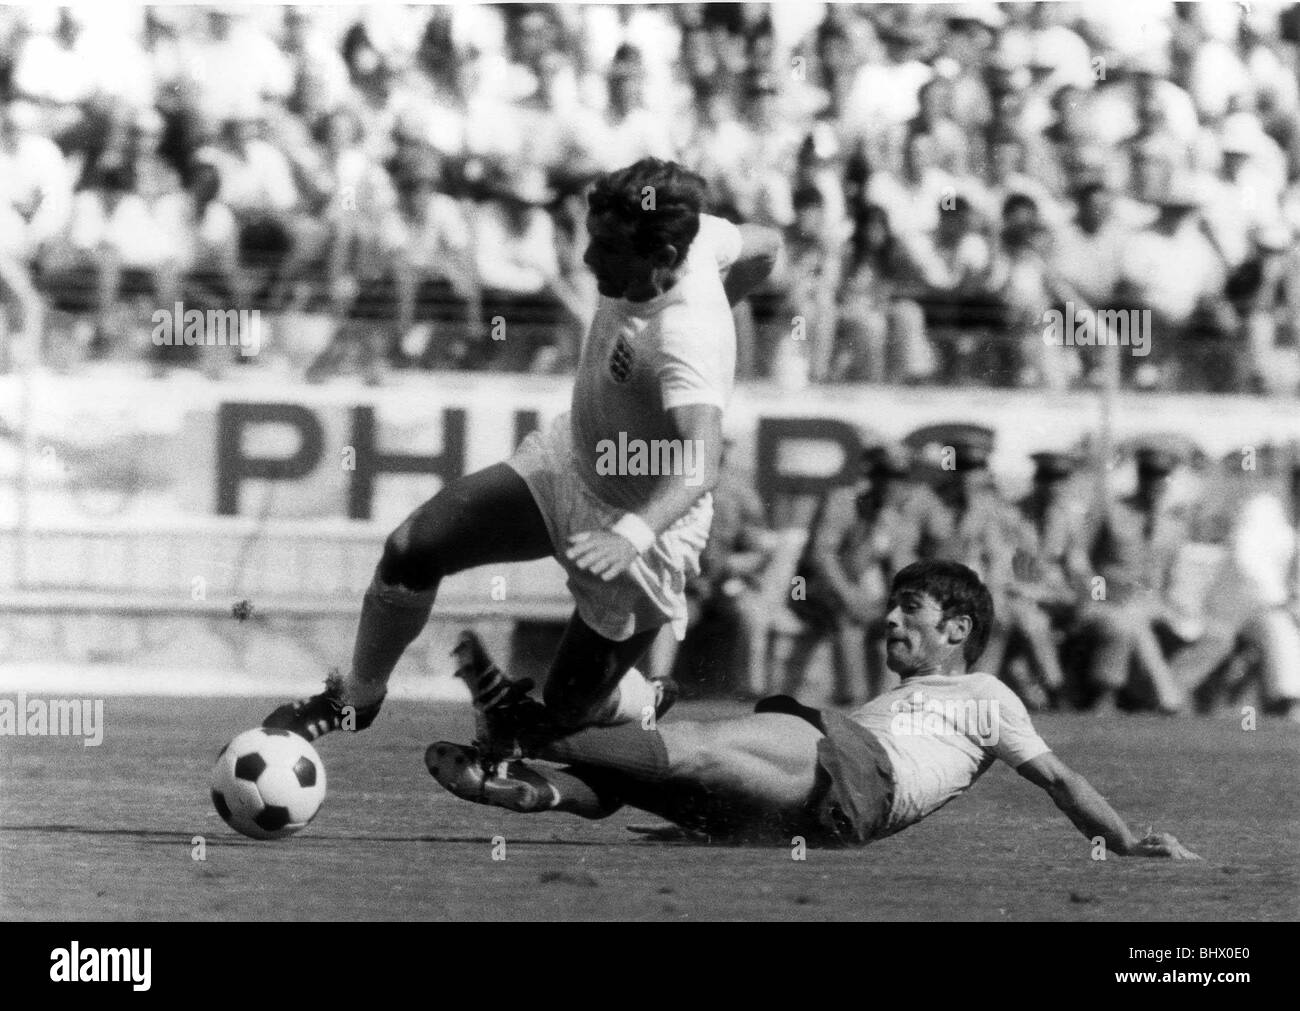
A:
392, 617
490, 686
628, 748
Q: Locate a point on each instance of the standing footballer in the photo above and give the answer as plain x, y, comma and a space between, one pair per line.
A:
656, 369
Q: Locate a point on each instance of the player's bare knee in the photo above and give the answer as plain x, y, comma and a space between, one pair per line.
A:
402, 566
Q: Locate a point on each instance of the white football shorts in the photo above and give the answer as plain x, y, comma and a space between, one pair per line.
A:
652, 591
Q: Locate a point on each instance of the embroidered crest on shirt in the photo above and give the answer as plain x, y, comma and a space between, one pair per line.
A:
620, 361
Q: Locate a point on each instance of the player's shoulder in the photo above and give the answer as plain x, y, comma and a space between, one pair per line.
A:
715, 229
678, 319
718, 242
688, 324
979, 685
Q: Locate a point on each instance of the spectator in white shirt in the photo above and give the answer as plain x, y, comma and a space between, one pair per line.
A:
155, 177
1027, 284
233, 66
1171, 265
835, 63
760, 183
35, 185
202, 229
1253, 618
880, 319
308, 49
514, 239
111, 218
201, 263
257, 185
712, 139
913, 198
1066, 139
628, 130
954, 264
886, 89
1088, 252
1173, 269
1005, 177
1141, 87
430, 252
256, 180
809, 280
516, 260
934, 117
55, 68
551, 119
112, 247
345, 195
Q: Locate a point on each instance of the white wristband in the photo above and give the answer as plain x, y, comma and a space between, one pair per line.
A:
636, 531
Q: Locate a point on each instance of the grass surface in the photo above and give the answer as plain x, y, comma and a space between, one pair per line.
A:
108, 833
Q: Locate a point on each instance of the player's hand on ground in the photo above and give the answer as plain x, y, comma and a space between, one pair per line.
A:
1162, 844
602, 553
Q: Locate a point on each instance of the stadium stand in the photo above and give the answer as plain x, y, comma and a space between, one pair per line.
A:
943, 172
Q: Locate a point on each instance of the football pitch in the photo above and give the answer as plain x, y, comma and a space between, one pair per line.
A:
114, 832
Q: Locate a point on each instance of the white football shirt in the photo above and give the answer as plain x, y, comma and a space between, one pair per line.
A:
641, 359
942, 733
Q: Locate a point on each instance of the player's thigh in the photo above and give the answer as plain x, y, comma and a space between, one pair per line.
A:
486, 517
769, 758
588, 665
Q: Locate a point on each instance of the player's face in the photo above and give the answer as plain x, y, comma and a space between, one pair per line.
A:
619, 270
916, 634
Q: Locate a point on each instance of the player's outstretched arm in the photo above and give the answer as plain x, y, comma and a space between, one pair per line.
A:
759, 251
1092, 816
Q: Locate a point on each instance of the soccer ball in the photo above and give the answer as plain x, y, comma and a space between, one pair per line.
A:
268, 783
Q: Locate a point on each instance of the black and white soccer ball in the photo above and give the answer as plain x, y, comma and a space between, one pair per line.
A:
268, 783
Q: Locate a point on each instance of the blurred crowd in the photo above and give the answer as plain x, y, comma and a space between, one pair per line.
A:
395, 185
1096, 605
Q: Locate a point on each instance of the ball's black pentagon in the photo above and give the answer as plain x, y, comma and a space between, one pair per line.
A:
249, 767
272, 817
305, 770
276, 731
223, 809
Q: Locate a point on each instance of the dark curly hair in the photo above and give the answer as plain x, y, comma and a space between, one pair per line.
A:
958, 590
654, 203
